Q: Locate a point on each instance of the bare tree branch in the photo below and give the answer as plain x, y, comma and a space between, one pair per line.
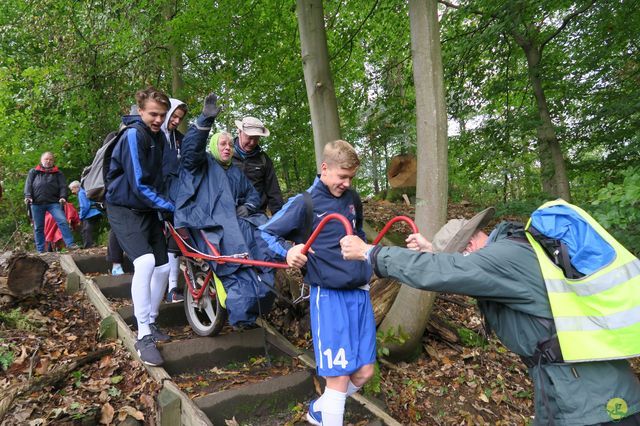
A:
566, 22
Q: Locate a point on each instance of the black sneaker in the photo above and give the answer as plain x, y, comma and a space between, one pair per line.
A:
158, 335
174, 296
147, 351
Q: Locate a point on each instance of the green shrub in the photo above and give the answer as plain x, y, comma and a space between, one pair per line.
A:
617, 208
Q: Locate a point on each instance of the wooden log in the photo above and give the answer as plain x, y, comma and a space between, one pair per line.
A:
72, 284
169, 407
3, 287
383, 292
25, 273
442, 329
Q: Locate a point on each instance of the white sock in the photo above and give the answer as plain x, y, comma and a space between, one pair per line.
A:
158, 286
351, 389
174, 263
143, 267
332, 407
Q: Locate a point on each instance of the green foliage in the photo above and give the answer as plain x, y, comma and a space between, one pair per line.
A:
69, 69
519, 209
393, 337
372, 387
78, 375
6, 355
617, 208
15, 319
470, 338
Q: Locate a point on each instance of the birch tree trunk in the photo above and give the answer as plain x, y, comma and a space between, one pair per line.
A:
177, 65
317, 75
412, 308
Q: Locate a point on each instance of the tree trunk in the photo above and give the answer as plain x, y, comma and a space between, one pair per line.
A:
177, 65
317, 75
412, 308
375, 167
553, 166
285, 172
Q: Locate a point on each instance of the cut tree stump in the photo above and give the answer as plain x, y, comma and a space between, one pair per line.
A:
25, 274
402, 171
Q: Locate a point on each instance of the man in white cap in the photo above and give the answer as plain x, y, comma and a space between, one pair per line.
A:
256, 164
501, 271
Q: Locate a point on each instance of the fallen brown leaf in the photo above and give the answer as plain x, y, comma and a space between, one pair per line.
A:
43, 366
232, 422
106, 414
105, 361
130, 411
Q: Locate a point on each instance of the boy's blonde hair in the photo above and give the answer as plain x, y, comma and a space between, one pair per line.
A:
340, 153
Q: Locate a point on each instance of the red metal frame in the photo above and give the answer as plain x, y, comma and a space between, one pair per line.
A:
193, 253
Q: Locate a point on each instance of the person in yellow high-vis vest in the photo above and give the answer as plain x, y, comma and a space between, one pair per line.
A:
502, 272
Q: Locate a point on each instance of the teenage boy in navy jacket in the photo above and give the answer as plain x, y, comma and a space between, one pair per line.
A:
342, 322
134, 199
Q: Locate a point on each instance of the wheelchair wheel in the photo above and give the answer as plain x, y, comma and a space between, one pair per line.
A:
206, 316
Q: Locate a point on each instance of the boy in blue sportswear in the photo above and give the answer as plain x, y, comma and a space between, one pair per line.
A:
133, 200
342, 322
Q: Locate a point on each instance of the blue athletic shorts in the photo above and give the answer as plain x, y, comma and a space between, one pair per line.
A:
343, 330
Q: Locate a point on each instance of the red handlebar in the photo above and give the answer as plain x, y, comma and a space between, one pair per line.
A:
409, 221
231, 259
347, 228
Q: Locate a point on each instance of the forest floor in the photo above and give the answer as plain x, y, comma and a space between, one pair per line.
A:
475, 381
47, 330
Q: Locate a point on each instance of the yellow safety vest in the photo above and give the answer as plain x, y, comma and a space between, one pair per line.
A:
597, 317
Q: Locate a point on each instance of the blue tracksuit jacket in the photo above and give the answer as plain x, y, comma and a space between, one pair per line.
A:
135, 176
326, 267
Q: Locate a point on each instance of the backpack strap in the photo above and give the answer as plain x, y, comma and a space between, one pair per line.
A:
557, 251
307, 228
357, 203
308, 216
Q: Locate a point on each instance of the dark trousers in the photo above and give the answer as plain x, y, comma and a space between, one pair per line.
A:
89, 228
115, 254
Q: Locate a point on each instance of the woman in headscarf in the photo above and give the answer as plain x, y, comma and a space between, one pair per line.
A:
214, 196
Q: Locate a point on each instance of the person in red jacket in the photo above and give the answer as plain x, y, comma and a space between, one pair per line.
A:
53, 240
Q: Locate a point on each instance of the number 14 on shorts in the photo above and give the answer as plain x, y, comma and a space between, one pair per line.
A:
339, 360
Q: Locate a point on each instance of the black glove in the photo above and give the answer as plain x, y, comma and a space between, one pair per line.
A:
166, 216
242, 211
210, 111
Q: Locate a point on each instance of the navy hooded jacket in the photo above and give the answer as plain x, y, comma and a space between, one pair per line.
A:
206, 196
326, 266
135, 176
